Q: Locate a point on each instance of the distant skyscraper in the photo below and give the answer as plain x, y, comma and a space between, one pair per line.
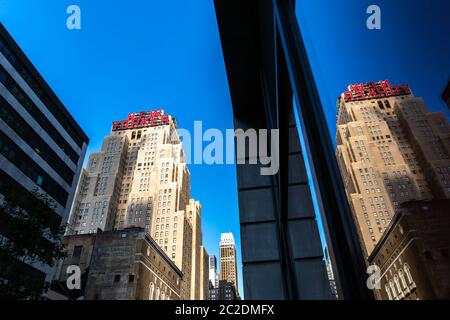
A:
140, 179
330, 273
390, 150
228, 265
212, 266
42, 149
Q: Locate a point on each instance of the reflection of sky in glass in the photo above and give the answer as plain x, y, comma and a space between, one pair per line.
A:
412, 47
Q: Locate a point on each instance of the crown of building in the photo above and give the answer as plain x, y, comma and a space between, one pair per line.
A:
374, 90
226, 238
142, 119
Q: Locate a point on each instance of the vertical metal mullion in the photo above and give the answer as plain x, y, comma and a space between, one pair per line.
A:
339, 225
284, 108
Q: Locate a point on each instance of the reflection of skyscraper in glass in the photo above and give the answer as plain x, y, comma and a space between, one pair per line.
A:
390, 150
140, 179
228, 266
330, 273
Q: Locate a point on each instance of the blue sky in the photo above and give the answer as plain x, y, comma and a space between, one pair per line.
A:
134, 56
144, 54
413, 46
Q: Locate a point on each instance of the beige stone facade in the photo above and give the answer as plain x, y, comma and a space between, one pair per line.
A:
228, 263
194, 215
204, 274
140, 179
390, 150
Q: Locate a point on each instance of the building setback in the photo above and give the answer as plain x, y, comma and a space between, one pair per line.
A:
390, 150
140, 179
42, 147
413, 254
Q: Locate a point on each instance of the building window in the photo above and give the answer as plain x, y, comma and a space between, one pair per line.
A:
408, 276
152, 290
388, 292
391, 285
77, 251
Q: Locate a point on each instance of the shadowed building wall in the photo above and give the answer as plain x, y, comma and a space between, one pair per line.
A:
414, 253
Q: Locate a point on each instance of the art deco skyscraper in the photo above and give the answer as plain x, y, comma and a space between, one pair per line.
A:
390, 150
228, 266
140, 179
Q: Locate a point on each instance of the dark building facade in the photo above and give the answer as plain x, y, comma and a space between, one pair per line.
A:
224, 291
267, 68
446, 95
413, 253
41, 146
118, 265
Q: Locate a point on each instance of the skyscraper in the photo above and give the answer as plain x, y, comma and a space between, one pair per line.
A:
140, 179
41, 149
212, 266
390, 150
228, 266
330, 274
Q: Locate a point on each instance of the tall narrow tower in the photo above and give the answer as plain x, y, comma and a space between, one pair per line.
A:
228, 266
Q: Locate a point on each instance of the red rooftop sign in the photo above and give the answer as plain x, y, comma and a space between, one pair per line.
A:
374, 90
142, 120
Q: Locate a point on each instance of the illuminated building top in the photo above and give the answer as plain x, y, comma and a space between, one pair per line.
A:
374, 90
142, 120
